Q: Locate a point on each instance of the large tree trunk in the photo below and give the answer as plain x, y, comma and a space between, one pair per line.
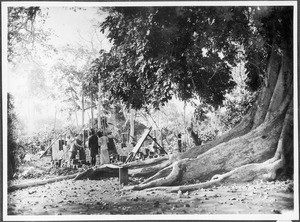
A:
260, 147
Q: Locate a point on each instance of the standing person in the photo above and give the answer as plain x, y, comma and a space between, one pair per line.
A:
77, 145
111, 144
80, 145
93, 146
179, 142
102, 142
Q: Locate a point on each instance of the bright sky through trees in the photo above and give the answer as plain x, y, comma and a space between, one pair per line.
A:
72, 27
75, 27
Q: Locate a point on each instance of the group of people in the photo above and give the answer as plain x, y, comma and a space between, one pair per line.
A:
98, 143
150, 151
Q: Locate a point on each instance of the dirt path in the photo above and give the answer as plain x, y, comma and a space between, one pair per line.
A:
90, 197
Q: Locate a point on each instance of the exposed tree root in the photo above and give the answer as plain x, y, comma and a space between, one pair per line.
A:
165, 181
162, 173
146, 163
149, 170
225, 157
242, 174
139, 169
238, 165
255, 147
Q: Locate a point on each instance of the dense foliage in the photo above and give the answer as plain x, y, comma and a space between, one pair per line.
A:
20, 27
159, 52
166, 51
270, 27
210, 122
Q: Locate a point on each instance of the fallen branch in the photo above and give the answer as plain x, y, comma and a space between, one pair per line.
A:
39, 183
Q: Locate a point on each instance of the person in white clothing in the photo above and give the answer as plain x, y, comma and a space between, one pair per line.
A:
102, 142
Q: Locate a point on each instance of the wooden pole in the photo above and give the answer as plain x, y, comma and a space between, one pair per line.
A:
158, 144
82, 106
123, 175
92, 111
99, 103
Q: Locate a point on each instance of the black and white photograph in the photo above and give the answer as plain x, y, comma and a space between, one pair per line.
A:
150, 110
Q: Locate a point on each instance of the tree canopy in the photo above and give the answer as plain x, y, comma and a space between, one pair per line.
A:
186, 51
182, 51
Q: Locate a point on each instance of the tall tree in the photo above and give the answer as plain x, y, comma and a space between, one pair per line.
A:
73, 76
187, 51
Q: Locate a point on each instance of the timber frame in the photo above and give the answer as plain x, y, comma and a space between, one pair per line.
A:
137, 147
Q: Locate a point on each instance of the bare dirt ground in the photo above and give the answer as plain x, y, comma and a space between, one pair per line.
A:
105, 196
